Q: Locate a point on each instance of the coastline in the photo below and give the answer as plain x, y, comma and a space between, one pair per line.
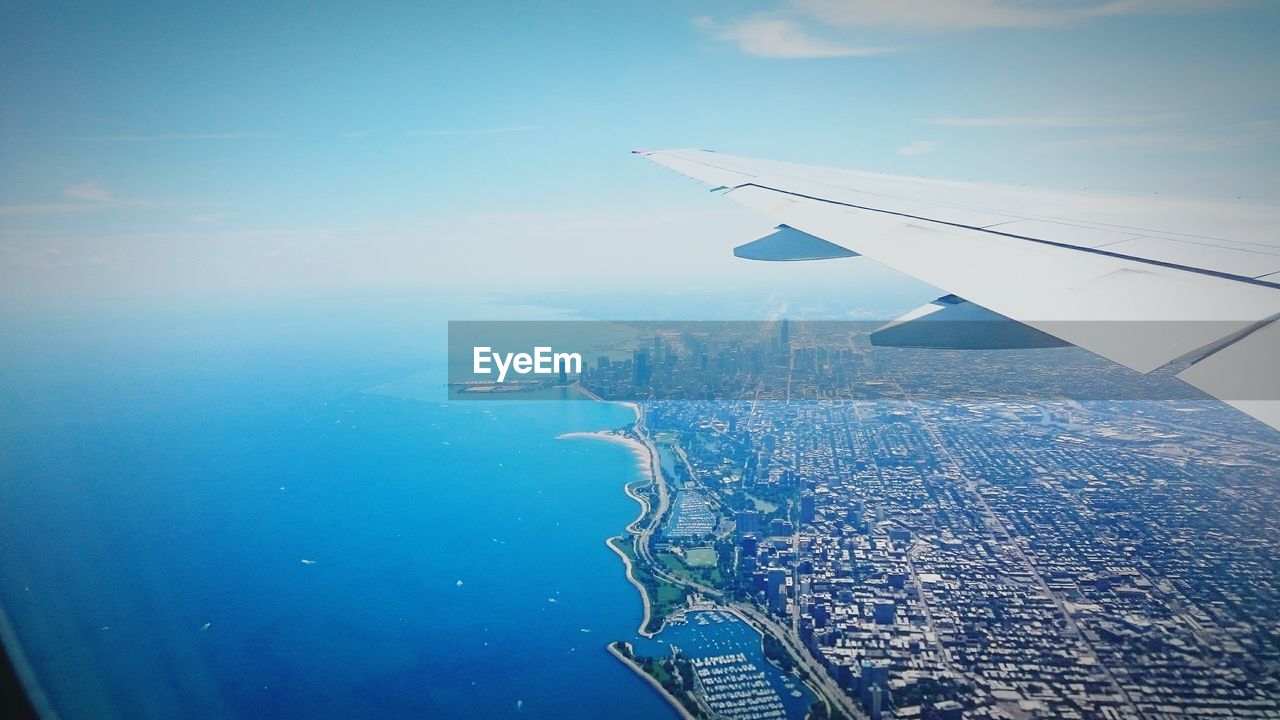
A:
644, 594
671, 700
646, 456
649, 464
637, 448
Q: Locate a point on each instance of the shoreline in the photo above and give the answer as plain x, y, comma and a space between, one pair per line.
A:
646, 457
671, 700
648, 464
646, 454
637, 448
644, 594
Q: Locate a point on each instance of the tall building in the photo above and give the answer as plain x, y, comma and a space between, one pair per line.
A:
785, 339
876, 711
747, 522
641, 372
884, 612
776, 589
872, 682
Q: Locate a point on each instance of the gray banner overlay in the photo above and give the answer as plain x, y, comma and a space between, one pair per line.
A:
790, 360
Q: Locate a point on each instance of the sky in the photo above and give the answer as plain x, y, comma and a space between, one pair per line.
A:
165, 151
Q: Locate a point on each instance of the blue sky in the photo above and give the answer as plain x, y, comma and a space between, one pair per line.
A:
165, 149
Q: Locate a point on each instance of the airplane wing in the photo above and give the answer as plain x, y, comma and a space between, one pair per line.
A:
1144, 281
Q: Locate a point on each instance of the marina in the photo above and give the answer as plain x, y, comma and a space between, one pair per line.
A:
733, 675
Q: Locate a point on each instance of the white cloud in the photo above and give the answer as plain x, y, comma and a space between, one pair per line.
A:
1251, 134
356, 134
789, 31
976, 14
207, 218
92, 195
92, 191
42, 208
1056, 121
1154, 132
185, 136
919, 147
777, 37
481, 131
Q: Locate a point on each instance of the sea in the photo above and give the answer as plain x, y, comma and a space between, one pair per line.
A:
270, 507
273, 510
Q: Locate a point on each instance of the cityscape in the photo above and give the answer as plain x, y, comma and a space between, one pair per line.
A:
778, 360
958, 558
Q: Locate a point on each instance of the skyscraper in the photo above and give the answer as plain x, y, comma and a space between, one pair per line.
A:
884, 611
640, 368
776, 589
808, 509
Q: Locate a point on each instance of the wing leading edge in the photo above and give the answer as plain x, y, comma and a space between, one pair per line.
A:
1089, 269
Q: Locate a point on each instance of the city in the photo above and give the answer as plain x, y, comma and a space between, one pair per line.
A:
969, 557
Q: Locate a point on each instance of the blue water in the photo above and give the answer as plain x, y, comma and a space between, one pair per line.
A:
164, 475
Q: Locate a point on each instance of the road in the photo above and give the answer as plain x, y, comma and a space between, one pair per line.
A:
1016, 542
830, 691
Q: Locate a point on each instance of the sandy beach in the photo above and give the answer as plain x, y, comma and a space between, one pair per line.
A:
637, 448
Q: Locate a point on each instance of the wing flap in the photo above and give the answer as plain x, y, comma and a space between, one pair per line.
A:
1253, 263
1067, 234
786, 244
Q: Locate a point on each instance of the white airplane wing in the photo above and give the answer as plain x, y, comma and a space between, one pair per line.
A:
1143, 281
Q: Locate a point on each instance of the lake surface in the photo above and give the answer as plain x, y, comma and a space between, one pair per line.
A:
210, 513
